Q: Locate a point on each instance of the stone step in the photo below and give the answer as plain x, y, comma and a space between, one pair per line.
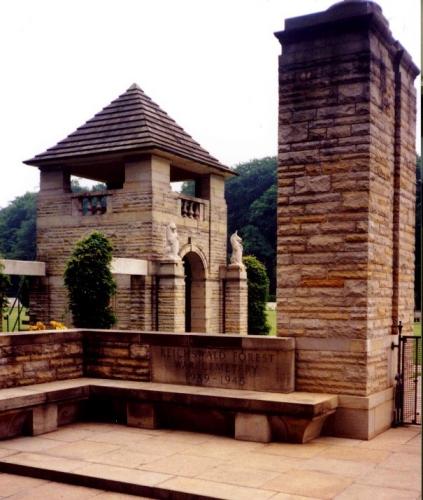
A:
136, 483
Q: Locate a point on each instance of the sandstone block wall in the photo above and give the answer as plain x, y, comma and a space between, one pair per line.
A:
32, 358
345, 194
228, 361
116, 355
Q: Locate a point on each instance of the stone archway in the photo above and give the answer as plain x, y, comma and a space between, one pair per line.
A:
195, 293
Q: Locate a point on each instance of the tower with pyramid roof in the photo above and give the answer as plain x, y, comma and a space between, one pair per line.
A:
137, 151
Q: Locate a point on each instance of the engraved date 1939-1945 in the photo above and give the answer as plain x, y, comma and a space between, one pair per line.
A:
198, 378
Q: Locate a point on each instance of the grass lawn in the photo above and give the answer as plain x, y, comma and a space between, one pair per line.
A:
12, 320
418, 333
271, 318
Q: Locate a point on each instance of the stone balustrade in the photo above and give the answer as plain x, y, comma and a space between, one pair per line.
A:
193, 208
92, 203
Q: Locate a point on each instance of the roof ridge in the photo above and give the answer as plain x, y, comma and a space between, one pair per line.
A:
137, 87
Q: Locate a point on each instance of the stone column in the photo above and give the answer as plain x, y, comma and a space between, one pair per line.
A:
121, 302
48, 300
39, 300
236, 299
141, 303
346, 173
171, 304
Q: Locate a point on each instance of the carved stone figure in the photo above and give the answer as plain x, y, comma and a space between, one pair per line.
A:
172, 242
237, 249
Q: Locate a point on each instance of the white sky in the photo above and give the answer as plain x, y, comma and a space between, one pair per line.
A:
210, 64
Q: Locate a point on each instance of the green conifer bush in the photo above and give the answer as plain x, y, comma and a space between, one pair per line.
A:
90, 283
258, 292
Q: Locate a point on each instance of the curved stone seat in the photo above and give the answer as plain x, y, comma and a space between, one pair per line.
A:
249, 415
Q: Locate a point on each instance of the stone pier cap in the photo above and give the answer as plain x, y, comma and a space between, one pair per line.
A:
341, 17
336, 17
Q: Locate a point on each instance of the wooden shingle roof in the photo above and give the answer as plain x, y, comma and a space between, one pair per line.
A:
131, 123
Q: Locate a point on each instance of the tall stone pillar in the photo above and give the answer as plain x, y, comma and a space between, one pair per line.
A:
171, 299
346, 177
235, 298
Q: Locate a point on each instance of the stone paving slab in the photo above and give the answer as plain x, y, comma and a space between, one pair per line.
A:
345, 468
304, 482
12, 485
364, 492
177, 464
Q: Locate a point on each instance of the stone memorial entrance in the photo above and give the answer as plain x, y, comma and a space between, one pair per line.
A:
345, 254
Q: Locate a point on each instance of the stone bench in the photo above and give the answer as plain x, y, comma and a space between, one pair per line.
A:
40, 408
248, 415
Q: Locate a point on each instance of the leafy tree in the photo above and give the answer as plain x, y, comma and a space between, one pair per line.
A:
254, 178
258, 291
17, 228
251, 199
90, 283
77, 188
188, 188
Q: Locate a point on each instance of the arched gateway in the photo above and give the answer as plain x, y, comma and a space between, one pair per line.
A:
137, 151
195, 293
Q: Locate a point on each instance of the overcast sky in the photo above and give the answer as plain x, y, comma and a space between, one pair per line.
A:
210, 64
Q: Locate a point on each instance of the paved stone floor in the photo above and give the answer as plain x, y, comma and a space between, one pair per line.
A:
387, 467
